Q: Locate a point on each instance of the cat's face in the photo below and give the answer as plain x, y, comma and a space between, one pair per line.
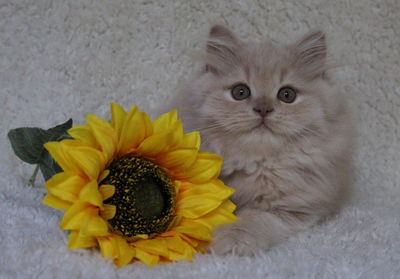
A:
262, 101
264, 90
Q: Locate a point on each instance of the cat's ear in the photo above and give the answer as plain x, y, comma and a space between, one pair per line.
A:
310, 55
221, 50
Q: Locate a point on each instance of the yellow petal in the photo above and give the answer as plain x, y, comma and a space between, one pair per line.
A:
191, 140
147, 258
118, 116
174, 256
228, 206
106, 247
106, 191
103, 175
193, 229
78, 240
215, 187
138, 237
197, 206
108, 212
57, 151
180, 158
166, 121
206, 168
125, 252
77, 222
148, 125
179, 249
96, 226
175, 244
157, 143
133, 131
192, 242
55, 202
65, 186
142, 236
156, 246
175, 221
116, 248
178, 128
90, 193
104, 134
84, 134
76, 216
220, 216
89, 160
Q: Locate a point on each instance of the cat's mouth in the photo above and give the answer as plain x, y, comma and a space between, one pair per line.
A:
262, 126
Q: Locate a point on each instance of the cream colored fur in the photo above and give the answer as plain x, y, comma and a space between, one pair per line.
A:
291, 173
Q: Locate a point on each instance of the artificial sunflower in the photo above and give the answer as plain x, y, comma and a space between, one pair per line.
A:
138, 189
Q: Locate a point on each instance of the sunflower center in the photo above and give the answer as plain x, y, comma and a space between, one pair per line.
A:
144, 196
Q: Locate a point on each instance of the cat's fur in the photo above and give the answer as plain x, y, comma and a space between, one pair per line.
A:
295, 170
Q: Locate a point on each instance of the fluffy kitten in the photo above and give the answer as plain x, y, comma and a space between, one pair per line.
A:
275, 116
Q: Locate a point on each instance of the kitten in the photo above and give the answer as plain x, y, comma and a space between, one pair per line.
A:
283, 129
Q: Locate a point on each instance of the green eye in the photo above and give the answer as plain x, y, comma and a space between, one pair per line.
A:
287, 95
240, 92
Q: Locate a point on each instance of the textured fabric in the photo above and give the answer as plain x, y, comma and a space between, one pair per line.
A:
61, 59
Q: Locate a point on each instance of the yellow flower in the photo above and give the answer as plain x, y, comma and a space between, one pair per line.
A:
138, 189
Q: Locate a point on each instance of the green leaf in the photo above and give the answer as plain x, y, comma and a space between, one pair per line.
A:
59, 132
48, 166
28, 142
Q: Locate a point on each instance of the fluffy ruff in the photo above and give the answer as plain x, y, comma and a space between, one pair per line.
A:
61, 59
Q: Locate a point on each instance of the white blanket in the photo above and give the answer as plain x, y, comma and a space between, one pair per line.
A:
62, 59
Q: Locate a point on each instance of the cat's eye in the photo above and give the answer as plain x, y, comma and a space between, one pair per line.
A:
287, 95
240, 92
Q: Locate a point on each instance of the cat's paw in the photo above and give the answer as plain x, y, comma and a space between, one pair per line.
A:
235, 242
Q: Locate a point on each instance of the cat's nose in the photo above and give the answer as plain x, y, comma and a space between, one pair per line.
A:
263, 110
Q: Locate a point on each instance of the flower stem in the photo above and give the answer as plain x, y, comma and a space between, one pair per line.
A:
31, 181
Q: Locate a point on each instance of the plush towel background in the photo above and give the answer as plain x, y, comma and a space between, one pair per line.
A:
61, 59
